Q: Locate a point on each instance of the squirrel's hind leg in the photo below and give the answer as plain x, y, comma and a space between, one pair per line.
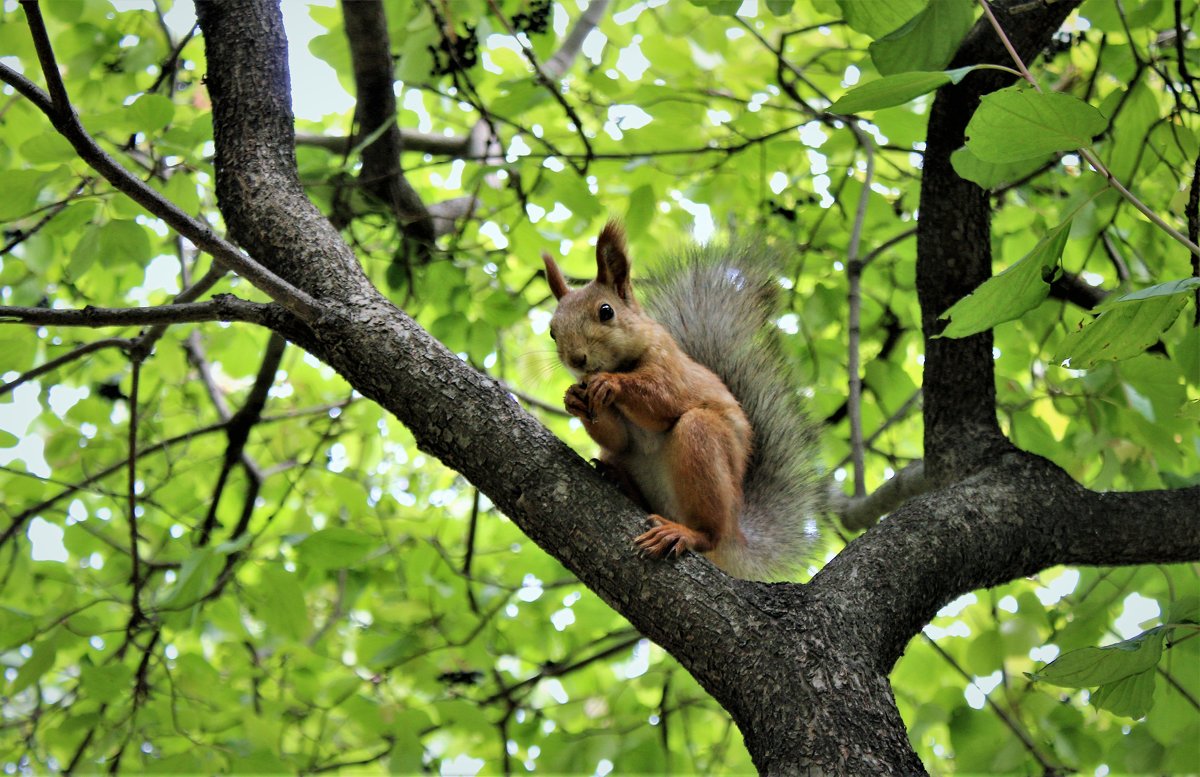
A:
707, 464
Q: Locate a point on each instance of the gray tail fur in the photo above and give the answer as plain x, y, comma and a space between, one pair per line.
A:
719, 303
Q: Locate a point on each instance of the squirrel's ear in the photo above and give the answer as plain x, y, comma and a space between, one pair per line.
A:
554, 276
612, 261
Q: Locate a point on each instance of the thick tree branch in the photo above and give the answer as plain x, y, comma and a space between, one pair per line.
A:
1016, 517
954, 251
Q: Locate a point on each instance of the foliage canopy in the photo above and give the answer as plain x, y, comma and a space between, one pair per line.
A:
308, 590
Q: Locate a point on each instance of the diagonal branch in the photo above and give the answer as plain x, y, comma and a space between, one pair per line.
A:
57, 108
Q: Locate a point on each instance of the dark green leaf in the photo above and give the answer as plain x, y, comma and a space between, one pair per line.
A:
1012, 293
927, 41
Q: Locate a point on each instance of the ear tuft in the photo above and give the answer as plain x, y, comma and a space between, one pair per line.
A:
612, 260
554, 276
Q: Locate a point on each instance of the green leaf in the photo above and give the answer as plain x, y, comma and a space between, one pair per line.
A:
334, 548
718, 7
124, 241
7, 439
20, 192
1012, 293
1167, 289
927, 41
44, 653
197, 574
1131, 696
1120, 332
780, 7
107, 681
152, 112
876, 18
990, 175
47, 148
1092, 666
86, 252
282, 602
641, 210
1185, 609
1015, 124
894, 90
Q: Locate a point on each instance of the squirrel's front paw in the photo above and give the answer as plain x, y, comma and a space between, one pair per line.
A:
576, 401
601, 391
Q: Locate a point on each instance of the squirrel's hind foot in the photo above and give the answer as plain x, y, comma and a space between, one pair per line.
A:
671, 539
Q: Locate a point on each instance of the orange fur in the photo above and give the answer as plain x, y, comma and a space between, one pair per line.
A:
664, 422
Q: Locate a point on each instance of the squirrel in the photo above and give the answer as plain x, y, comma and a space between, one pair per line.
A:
694, 409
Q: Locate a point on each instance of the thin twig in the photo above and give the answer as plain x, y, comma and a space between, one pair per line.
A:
135, 562
222, 307
854, 269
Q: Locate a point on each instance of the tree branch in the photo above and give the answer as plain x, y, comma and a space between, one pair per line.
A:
375, 116
1014, 518
954, 253
222, 307
57, 108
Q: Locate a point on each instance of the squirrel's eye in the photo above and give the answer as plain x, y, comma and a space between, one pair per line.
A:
606, 312
552, 337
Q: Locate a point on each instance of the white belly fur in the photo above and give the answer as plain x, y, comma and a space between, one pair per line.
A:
643, 461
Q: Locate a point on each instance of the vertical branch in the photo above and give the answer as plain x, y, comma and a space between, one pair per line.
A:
854, 270
469, 555
135, 573
1193, 219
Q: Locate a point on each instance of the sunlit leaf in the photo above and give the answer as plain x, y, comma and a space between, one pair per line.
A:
1015, 124
1121, 331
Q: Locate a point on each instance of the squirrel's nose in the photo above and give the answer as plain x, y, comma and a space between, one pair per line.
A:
578, 360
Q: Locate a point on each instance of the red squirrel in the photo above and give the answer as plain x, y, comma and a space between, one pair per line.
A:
694, 412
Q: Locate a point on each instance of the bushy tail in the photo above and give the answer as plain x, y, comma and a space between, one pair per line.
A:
719, 303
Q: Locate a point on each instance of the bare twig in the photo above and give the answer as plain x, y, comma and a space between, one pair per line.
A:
73, 355
854, 269
135, 572
222, 307
238, 432
862, 512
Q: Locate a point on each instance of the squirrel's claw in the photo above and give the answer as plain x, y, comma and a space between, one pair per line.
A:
576, 402
666, 539
601, 392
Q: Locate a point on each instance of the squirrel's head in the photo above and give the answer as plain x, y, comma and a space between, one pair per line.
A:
600, 327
